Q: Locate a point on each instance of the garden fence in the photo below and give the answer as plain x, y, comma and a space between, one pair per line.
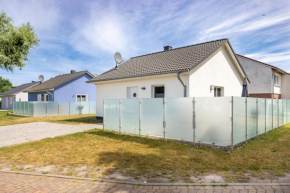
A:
38, 109
220, 121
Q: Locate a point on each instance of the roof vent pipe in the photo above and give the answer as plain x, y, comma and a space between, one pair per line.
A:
167, 48
178, 76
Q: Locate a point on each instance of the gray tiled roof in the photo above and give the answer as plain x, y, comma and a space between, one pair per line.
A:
20, 88
57, 81
268, 65
163, 62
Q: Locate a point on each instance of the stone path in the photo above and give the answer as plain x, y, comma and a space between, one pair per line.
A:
21, 133
28, 183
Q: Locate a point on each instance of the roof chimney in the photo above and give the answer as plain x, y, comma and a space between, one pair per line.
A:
166, 48
72, 71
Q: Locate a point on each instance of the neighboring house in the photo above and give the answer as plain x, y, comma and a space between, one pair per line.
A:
267, 81
67, 87
203, 70
16, 94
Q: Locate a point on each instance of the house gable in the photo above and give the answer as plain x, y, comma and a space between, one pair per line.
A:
220, 69
69, 90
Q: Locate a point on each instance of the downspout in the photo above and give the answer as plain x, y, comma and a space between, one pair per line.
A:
178, 76
50, 94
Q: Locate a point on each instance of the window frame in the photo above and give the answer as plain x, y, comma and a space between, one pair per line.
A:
86, 97
39, 98
221, 91
154, 91
276, 80
45, 97
10, 100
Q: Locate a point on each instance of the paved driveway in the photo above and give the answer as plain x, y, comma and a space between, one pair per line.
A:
21, 133
28, 183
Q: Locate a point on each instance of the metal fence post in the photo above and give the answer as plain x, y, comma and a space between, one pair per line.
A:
120, 111
103, 114
232, 123
140, 105
278, 113
265, 115
68, 108
89, 107
193, 119
246, 124
164, 121
257, 114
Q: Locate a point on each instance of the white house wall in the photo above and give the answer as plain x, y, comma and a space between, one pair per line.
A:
218, 70
285, 91
118, 89
21, 96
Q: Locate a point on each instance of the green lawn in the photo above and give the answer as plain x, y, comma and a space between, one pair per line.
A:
10, 119
108, 153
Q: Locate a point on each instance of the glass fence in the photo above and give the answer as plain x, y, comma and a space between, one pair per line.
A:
40, 109
221, 121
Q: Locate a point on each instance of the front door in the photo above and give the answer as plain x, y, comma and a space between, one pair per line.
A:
132, 92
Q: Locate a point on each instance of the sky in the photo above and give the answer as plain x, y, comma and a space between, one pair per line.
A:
84, 35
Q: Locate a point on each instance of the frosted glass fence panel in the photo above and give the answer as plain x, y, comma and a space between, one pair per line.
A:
93, 108
179, 118
285, 112
111, 115
39, 109
280, 110
275, 113
79, 108
130, 116
261, 116
213, 120
152, 117
64, 108
251, 118
269, 114
52, 108
239, 120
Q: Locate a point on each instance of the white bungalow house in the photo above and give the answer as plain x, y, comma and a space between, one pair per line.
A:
208, 69
16, 94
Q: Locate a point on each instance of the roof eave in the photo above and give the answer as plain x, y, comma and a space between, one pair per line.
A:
50, 89
139, 76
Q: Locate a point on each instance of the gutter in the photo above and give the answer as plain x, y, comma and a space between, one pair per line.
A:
184, 86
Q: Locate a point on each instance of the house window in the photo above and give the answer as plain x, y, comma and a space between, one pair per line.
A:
45, 97
82, 97
6, 99
276, 80
159, 92
39, 97
11, 98
218, 91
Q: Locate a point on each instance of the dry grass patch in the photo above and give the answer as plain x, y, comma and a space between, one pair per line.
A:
148, 158
9, 119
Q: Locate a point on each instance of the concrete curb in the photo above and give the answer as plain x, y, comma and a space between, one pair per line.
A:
147, 184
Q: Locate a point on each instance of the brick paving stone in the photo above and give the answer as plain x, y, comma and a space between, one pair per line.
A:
18, 183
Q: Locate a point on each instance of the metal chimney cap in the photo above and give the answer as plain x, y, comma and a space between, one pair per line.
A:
166, 48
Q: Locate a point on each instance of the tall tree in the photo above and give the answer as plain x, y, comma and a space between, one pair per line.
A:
5, 85
15, 43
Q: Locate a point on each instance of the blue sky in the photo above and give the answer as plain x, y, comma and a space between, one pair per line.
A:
84, 34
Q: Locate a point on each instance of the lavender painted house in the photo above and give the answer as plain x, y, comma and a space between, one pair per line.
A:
68, 87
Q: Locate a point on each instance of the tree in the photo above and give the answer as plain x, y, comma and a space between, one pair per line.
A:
15, 43
5, 85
